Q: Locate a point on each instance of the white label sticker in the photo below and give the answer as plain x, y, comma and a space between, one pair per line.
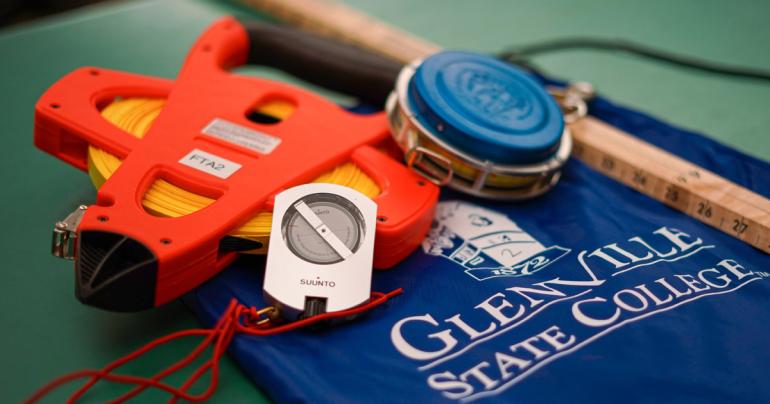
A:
242, 136
210, 163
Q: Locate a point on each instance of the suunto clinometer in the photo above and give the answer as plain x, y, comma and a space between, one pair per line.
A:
321, 250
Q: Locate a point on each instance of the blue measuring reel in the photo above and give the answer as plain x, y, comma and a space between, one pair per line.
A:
480, 125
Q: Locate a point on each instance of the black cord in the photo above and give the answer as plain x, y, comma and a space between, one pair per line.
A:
522, 54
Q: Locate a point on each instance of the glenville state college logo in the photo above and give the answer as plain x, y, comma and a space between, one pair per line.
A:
486, 243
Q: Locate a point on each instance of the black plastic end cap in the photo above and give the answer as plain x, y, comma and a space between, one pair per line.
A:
115, 272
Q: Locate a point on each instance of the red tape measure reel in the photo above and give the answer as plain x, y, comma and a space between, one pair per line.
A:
127, 259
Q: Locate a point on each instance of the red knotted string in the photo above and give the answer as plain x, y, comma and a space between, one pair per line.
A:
236, 319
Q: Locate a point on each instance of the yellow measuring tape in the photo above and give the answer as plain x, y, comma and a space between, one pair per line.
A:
136, 115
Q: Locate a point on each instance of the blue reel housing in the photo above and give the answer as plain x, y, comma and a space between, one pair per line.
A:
486, 107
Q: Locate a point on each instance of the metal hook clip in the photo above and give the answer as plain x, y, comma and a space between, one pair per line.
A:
269, 313
572, 99
65, 234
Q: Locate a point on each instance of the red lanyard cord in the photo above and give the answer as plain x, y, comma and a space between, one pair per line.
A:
236, 319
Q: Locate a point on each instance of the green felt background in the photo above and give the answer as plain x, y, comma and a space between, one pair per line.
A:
46, 332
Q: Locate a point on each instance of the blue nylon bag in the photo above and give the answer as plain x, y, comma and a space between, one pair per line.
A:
591, 293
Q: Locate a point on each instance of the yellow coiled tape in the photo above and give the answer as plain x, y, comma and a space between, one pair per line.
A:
136, 115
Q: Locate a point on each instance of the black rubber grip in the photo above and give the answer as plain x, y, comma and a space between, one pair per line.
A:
322, 61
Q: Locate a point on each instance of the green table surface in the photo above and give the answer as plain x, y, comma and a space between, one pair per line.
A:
47, 332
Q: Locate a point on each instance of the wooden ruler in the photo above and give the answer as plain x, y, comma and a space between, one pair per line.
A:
655, 172
674, 181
